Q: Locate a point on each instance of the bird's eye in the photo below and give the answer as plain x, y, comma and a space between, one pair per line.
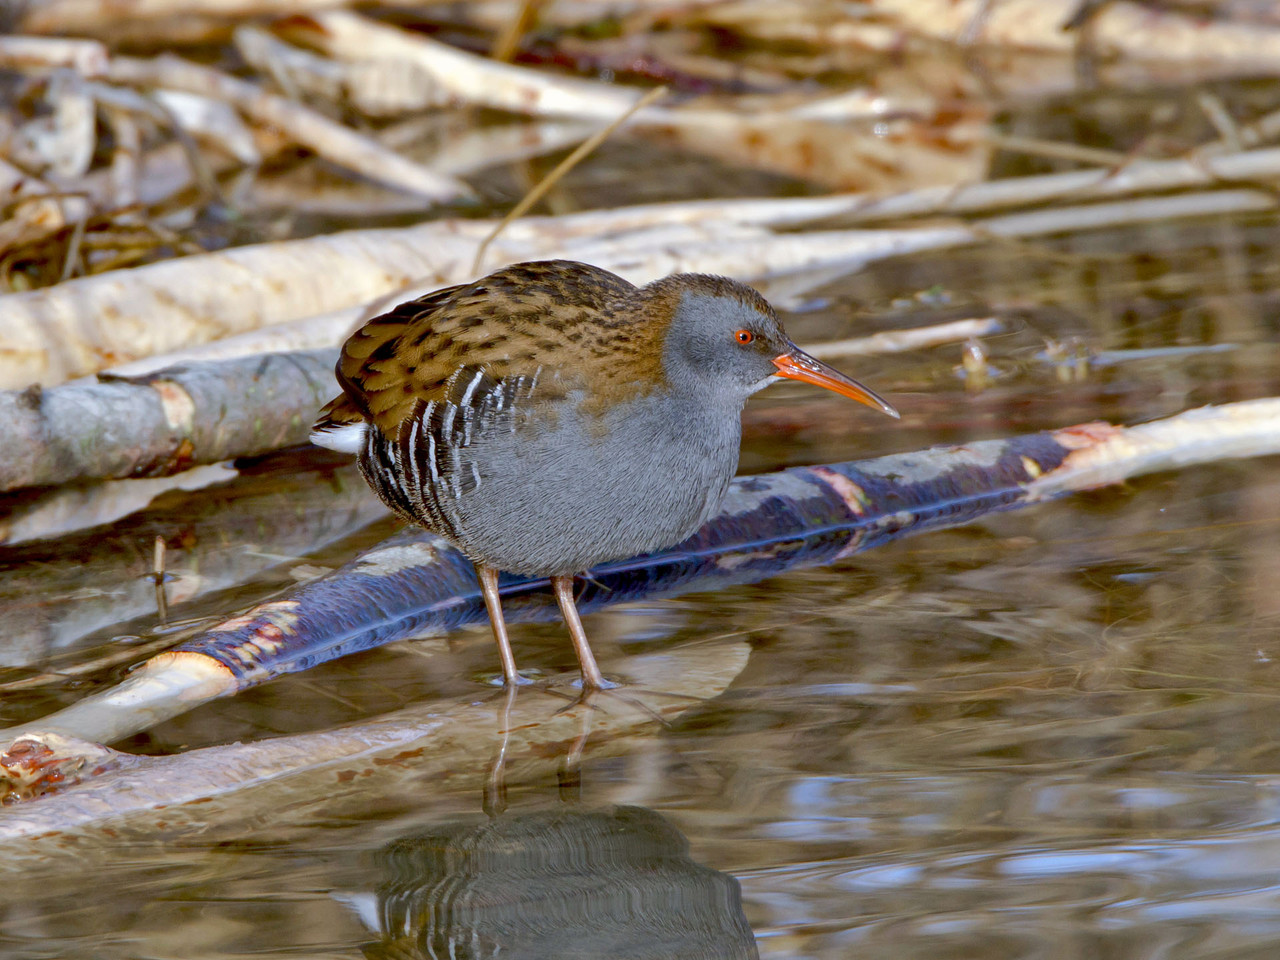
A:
744, 336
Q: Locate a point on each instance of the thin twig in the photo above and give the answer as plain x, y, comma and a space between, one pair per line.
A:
1057, 150
73, 248
504, 48
157, 575
563, 167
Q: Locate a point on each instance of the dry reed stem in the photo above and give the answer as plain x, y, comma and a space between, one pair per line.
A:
92, 16
1123, 29
86, 57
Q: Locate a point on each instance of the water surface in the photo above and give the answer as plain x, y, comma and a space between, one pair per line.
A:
1050, 734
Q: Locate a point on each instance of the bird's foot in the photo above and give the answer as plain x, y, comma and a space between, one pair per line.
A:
519, 680
604, 684
574, 693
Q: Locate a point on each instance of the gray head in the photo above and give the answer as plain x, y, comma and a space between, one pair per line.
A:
724, 341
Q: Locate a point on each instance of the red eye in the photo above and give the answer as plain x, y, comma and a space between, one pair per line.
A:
744, 336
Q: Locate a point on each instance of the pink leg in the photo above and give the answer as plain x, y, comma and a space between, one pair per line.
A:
492, 603
563, 586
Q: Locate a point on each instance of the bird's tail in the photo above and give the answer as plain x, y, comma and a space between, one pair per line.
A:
340, 426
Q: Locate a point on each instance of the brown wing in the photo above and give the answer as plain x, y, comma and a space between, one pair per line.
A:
551, 315
368, 360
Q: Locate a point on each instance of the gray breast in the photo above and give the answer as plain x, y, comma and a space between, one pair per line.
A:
561, 493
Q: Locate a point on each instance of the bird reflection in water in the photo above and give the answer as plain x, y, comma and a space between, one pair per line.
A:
565, 882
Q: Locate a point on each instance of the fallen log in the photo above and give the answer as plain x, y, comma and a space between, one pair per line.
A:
415, 584
162, 423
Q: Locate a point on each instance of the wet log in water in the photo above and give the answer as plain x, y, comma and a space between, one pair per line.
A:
279, 782
415, 584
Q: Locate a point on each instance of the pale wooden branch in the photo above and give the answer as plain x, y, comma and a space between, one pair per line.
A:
460, 148
770, 132
469, 78
468, 149
309, 333
1105, 455
1140, 34
473, 79
1139, 176
86, 57
75, 328
163, 424
211, 120
1131, 31
78, 16
59, 143
125, 157
375, 87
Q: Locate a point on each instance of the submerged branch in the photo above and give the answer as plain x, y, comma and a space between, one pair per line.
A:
286, 777
256, 533
415, 584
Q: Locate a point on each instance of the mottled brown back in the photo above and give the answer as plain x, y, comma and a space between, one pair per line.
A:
585, 326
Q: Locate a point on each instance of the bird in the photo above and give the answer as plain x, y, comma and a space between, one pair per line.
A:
551, 416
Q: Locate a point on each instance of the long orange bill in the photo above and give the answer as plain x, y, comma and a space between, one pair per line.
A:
795, 364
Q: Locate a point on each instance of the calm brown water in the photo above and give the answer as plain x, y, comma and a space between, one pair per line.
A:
1048, 735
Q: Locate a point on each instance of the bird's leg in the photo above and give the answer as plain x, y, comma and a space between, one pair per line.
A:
493, 603
563, 586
